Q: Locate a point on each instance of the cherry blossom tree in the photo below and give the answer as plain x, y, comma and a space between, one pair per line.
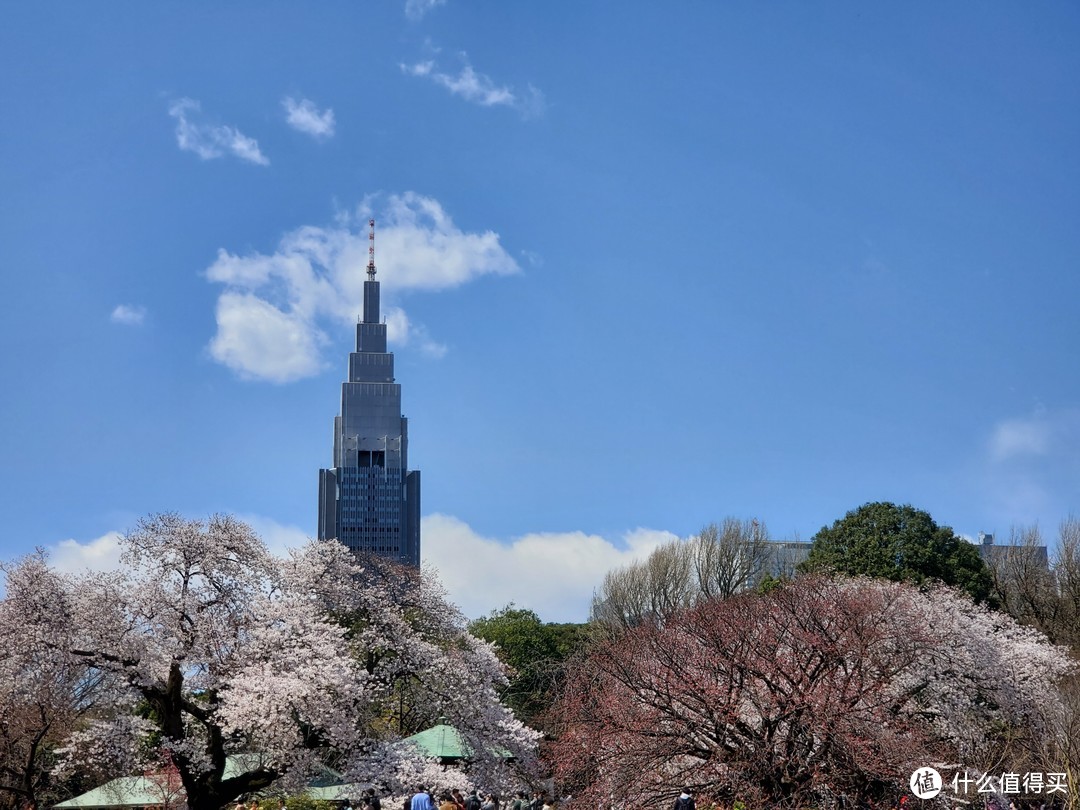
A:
42, 696
819, 689
295, 662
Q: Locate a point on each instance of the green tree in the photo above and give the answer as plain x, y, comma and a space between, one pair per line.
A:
900, 543
535, 652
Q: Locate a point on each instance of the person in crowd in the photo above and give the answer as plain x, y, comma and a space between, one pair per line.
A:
371, 800
421, 800
685, 800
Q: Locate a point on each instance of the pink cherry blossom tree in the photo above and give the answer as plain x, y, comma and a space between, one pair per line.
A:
819, 689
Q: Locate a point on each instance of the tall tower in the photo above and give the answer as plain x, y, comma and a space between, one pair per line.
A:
369, 500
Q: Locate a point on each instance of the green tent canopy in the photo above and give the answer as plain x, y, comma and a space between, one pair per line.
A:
159, 790
444, 743
130, 791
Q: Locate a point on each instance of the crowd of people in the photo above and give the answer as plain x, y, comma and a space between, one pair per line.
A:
425, 799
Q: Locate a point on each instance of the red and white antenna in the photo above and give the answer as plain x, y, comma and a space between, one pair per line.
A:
371, 251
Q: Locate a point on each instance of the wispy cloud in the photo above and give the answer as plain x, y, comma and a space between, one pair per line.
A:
1032, 464
210, 141
271, 314
417, 9
478, 88
128, 315
533, 258
1043, 433
304, 116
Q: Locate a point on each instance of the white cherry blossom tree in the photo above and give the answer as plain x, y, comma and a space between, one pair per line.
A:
298, 663
42, 694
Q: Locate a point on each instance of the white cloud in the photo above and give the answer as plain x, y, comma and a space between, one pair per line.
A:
259, 341
479, 88
553, 574
305, 117
278, 537
270, 314
101, 554
416, 9
129, 315
210, 141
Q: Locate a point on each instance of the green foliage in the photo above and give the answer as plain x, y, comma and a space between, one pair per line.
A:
769, 583
298, 803
900, 543
534, 651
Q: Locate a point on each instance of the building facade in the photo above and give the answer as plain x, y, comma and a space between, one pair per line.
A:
370, 499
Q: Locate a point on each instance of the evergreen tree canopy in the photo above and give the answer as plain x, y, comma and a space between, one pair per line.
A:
536, 653
900, 543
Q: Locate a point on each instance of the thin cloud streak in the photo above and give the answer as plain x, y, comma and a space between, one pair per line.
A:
212, 141
478, 88
417, 9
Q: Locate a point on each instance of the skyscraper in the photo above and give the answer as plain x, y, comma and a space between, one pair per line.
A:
369, 500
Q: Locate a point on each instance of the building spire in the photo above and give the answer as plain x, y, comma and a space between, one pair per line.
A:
371, 251
371, 286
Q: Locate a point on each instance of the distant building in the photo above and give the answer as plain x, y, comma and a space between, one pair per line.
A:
369, 499
784, 556
994, 555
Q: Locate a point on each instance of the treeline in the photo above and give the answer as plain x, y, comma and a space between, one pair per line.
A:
728, 664
1034, 581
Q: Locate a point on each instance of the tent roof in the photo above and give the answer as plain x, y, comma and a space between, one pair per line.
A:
335, 793
140, 791
127, 791
445, 742
441, 741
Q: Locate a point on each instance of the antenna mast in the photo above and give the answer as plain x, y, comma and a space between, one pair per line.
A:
371, 251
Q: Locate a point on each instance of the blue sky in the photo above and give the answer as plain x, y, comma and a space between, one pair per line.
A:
646, 266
